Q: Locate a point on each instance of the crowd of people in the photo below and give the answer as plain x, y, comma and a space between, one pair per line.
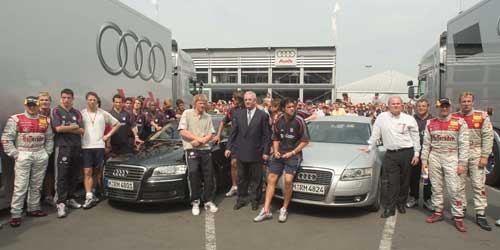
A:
51, 147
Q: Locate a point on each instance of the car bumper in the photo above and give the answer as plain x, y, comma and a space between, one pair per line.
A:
152, 191
358, 193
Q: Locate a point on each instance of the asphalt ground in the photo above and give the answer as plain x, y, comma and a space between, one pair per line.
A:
172, 227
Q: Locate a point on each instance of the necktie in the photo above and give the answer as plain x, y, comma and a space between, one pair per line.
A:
249, 116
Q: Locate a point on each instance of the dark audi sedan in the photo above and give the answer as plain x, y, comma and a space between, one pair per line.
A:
158, 172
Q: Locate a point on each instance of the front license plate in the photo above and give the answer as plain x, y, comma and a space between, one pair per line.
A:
124, 185
308, 188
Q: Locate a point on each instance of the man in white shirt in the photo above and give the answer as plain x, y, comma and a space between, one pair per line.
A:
399, 132
94, 142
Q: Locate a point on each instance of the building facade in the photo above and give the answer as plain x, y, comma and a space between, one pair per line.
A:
299, 72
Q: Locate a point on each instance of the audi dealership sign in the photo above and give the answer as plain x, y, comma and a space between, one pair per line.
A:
285, 57
143, 60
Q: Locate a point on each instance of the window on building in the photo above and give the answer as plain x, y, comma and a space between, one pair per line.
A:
317, 95
468, 42
286, 75
222, 94
202, 75
318, 75
282, 93
254, 75
225, 75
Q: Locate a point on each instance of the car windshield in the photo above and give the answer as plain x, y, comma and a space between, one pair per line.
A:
167, 132
339, 132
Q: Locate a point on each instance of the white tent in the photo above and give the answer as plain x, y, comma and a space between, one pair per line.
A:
386, 84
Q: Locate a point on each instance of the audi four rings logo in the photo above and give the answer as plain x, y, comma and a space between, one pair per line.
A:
307, 176
286, 53
138, 58
120, 172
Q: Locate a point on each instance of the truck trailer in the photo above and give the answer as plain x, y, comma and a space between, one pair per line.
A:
466, 57
94, 45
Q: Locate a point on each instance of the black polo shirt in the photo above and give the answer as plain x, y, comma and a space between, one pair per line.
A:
289, 133
140, 120
421, 126
123, 133
157, 118
169, 114
62, 117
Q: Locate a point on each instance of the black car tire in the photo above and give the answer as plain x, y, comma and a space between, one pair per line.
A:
493, 178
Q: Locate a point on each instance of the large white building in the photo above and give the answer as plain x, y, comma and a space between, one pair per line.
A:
298, 72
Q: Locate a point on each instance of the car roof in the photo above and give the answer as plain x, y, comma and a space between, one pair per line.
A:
344, 118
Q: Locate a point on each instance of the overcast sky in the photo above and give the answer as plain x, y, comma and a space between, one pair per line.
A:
387, 34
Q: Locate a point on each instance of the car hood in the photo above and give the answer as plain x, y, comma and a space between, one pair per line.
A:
154, 153
336, 156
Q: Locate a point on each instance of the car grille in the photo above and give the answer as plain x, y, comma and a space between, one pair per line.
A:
150, 195
134, 173
323, 177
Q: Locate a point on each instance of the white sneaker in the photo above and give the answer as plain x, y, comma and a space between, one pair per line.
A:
411, 202
72, 203
262, 216
196, 207
210, 206
89, 203
498, 223
61, 210
232, 191
428, 205
283, 215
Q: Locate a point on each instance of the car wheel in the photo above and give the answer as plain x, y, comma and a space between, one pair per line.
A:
493, 167
376, 205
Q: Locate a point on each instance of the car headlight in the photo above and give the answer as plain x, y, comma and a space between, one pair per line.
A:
169, 170
356, 174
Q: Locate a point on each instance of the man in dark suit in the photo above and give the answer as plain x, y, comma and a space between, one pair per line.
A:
250, 140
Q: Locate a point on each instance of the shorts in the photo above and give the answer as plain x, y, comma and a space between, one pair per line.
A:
290, 165
93, 157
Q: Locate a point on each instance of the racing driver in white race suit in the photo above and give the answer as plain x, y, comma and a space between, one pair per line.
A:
28, 138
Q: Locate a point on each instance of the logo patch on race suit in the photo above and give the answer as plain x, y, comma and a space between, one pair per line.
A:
476, 125
64, 158
74, 118
477, 117
453, 124
42, 122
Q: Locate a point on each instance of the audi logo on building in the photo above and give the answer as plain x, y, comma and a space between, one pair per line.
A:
307, 176
141, 60
286, 53
120, 172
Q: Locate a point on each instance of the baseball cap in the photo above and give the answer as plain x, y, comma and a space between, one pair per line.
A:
443, 101
31, 101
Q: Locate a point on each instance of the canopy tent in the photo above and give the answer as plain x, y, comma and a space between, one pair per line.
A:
387, 83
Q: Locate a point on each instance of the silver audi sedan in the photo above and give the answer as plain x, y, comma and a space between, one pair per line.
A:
334, 171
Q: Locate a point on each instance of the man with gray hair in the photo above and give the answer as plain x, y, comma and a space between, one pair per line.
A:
250, 141
399, 133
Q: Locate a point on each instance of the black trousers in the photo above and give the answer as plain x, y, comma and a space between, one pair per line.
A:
68, 169
396, 177
200, 168
416, 172
249, 181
